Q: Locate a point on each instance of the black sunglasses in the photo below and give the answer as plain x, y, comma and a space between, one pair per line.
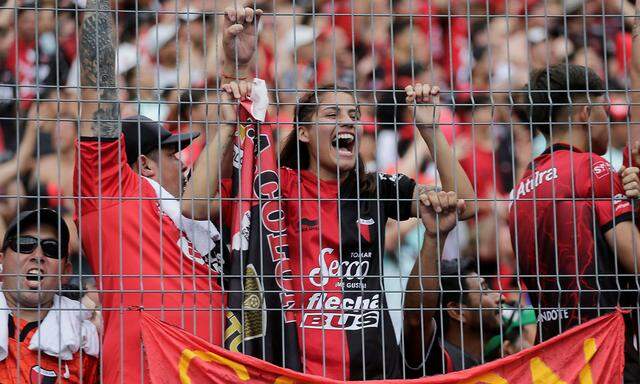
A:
28, 244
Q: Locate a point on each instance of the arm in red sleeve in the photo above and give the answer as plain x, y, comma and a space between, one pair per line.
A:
102, 176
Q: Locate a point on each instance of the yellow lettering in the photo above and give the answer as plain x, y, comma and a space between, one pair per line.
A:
589, 348
487, 378
233, 332
188, 355
542, 374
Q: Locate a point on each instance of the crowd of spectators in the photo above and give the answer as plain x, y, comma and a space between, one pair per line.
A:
169, 56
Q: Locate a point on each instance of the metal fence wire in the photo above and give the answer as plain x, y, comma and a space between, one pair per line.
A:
411, 188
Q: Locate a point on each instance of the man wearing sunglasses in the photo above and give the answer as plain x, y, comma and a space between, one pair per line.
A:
44, 337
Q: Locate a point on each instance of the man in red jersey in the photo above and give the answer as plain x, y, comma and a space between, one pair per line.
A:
146, 254
631, 153
570, 221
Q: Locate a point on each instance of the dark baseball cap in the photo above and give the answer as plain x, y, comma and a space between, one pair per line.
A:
44, 216
142, 136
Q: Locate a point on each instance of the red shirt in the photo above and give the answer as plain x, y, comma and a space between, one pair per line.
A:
23, 365
22, 61
141, 259
627, 159
480, 165
558, 219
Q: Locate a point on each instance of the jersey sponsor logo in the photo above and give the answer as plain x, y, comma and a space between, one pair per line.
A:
213, 260
367, 221
341, 321
391, 178
363, 226
348, 270
39, 375
360, 255
322, 301
601, 169
534, 181
620, 202
553, 315
363, 312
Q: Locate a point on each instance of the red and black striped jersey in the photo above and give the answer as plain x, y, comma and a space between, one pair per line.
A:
336, 241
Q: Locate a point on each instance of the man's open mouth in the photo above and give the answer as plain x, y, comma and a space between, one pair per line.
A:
34, 274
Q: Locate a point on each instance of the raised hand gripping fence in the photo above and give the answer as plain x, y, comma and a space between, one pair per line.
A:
356, 190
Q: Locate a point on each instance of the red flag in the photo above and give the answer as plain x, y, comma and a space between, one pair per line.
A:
589, 353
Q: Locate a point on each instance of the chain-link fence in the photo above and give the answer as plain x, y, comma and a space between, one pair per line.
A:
380, 189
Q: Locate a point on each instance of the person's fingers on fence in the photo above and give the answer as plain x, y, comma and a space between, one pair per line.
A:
245, 89
427, 97
435, 95
452, 200
444, 200
235, 90
426, 93
419, 93
629, 174
461, 205
632, 190
248, 15
438, 206
411, 94
233, 30
242, 87
230, 15
239, 36
630, 181
446, 206
427, 211
434, 202
424, 199
242, 14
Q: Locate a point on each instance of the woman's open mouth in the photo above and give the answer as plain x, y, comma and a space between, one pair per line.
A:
344, 143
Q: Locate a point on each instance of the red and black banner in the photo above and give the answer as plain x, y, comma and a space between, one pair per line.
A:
260, 318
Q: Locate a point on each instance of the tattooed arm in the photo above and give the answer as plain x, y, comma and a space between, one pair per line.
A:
634, 71
100, 108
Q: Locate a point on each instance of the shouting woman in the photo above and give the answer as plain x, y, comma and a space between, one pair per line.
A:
336, 216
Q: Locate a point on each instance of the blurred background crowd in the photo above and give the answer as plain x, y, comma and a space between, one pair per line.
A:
479, 52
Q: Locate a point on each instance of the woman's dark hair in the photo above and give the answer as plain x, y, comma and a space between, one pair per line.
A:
295, 154
552, 89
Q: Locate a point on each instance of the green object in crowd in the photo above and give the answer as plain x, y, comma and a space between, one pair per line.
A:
512, 319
